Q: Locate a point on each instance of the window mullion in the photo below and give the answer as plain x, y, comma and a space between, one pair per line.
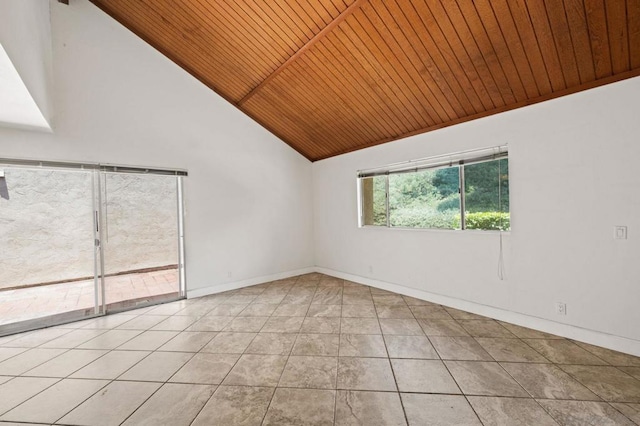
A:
387, 200
462, 200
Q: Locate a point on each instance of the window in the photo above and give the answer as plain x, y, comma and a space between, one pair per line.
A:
462, 191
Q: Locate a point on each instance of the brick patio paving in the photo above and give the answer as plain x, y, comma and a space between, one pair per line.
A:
37, 302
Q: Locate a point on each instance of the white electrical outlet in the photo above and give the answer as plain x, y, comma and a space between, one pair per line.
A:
620, 232
229, 274
561, 308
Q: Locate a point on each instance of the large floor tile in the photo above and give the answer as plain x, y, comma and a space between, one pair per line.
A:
459, 348
73, 339
67, 363
235, 405
19, 389
510, 411
258, 310
324, 311
358, 311
148, 341
360, 326
272, 344
365, 374
441, 410
363, 345
36, 338
283, 325
227, 342
210, 323
316, 344
25, 361
188, 341
112, 405
410, 347
142, 322
510, 350
110, 339
317, 372
423, 375
246, 324
485, 328
301, 407
157, 367
358, 408
442, 327
632, 411
578, 413
563, 352
430, 312
56, 401
484, 378
176, 323
329, 325
611, 357
401, 327
548, 381
111, 365
173, 404
257, 370
206, 369
394, 312
6, 353
609, 383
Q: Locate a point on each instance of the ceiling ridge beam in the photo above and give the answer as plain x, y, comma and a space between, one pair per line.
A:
316, 38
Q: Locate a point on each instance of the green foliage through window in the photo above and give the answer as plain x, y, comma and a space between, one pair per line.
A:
431, 198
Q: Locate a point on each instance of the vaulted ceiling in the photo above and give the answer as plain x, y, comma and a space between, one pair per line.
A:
333, 76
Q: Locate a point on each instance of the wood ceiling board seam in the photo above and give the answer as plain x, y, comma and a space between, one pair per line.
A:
462, 56
633, 14
347, 83
200, 64
260, 26
423, 24
333, 24
359, 119
490, 56
282, 27
599, 36
296, 110
248, 38
618, 40
240, 60
516, 47
374, 45
427, 47
529, 38
474, 53
325, 104
312, 25
398, 50
544, 34
422, 64
164, 49
186, 67
562, 36
372, 77
355, 85
322, 17
490, 22
577, 19
333, 9
554, 95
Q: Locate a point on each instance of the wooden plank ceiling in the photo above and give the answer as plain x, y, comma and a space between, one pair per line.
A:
333, 76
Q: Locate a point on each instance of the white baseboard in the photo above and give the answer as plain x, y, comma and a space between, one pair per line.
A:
605, 340
205, 291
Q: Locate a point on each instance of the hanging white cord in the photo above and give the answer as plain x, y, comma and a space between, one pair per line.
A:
501, 255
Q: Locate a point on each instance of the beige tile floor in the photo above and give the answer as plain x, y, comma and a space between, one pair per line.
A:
313, 350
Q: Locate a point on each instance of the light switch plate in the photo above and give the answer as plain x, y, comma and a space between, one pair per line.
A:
620, 232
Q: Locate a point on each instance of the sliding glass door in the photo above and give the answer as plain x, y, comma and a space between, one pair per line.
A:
47, 247
81, 240
140, 239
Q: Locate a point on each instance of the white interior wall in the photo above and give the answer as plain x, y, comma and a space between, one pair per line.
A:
573, 177
117, 100
25, 34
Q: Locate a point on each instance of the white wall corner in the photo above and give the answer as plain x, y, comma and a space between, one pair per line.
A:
205, 291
